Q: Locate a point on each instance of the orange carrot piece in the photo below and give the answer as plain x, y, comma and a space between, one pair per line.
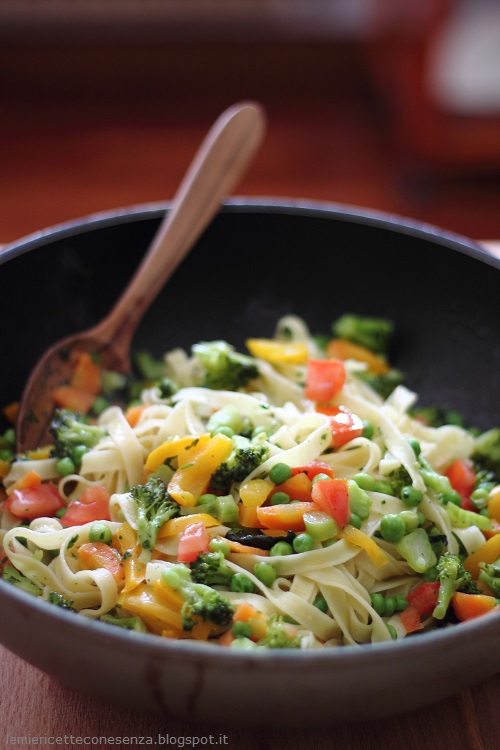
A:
244, 549
94, 555
297, 488
31, 479
76, 399
470, 606
11, 411
87, 374
289, 516
248, 517
244, 611
133, 413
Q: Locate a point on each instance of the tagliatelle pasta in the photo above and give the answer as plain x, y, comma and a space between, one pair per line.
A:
299, 505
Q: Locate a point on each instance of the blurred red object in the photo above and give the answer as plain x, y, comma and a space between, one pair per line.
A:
426, 132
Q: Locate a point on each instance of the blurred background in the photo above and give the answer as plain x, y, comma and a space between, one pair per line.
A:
388, 104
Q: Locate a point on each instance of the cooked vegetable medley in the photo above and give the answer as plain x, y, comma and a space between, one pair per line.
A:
295, 496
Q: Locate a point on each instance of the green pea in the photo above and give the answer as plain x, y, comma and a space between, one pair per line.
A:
401, 603
281, 548
320, 603
100, 532
411, 496
365, 481
220, 545
303, 543
378, 603
265, 572
228, 416
355, 521
392, 527
392, 630
389, 606
359, 501
451, 497
368, 429
279, 498
78, 453
65, 466
241, 629
100, 404
241, 584
320, 526
329, 542
411, 519
381, 485
222, 430
415, 446
6, 454
280, 473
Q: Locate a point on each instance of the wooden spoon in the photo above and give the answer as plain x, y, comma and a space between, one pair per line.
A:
216, 168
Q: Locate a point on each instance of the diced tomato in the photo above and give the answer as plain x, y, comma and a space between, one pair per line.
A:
424, 597
462, 478
194, 539
35, 502
324, 379
344, 424
314, 468
332, 496
92, 505
289, 517
298, 487
410, 618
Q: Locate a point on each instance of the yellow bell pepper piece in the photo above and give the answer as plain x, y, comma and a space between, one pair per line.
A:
255, 492
487, 553
145, 603
278, 352
344, 349
177, 525
494, 503
360, 539
172, 448
125, 541
193, 477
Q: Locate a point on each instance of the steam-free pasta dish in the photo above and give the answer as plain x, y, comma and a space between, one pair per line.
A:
295, 496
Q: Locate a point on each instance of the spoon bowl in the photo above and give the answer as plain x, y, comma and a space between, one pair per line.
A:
216, 168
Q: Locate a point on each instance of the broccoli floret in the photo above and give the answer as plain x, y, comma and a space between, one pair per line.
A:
385, 383
224, 369
154, 507
373, 333
487, 450
201, 602
279, 634
244, 458
71, 430
452, 576
490, 575
434, 416
166, 388
398, 479
60, 601
211, 569
129, 623
12, 575
149, 368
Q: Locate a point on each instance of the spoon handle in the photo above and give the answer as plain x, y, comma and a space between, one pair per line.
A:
216, 168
